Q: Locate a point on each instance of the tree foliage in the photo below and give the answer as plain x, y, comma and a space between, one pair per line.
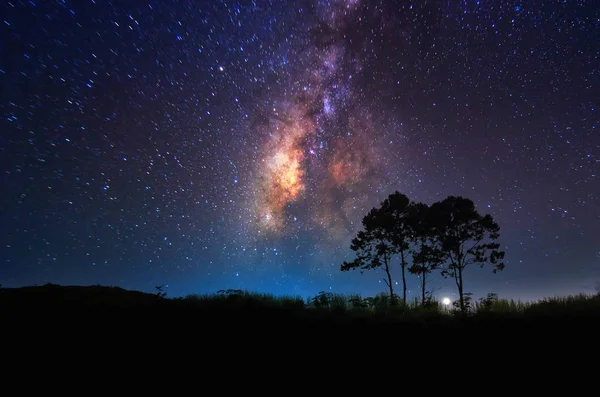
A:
449, 235
160, 291
395, 214
427, 254
373, 246
466, 238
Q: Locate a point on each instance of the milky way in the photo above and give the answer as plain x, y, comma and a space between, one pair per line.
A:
238, 144
320, 149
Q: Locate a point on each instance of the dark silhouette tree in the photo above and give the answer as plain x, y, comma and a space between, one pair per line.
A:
373, 247
466, 238
357, 302
322, 300
487, 303
467, 303
427, 254
395, 214
160, 291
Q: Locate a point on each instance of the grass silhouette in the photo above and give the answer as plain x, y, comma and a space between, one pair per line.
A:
256, 326
238, 306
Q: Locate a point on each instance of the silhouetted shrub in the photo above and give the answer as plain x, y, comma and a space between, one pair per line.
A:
237, 307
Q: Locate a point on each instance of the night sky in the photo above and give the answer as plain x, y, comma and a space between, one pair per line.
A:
208, 145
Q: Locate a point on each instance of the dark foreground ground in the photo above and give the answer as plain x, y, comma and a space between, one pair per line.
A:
70, 316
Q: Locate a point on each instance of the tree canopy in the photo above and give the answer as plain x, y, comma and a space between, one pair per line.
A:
427, 254
449, 235
395, 211
466, 238
373, 246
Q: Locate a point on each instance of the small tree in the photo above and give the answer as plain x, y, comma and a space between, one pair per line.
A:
357, 302
373, 247
160, 292
466, 238
488, 303
322, 300
467, 304
426, 251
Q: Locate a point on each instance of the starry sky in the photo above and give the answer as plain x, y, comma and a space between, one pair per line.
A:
220, 144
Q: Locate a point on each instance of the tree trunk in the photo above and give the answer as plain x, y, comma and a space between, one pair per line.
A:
403, 278
389, 283
387, 270
423, 274
458, 277
459, 282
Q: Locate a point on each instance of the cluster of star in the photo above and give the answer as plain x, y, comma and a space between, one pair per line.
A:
314, 155
239, 143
